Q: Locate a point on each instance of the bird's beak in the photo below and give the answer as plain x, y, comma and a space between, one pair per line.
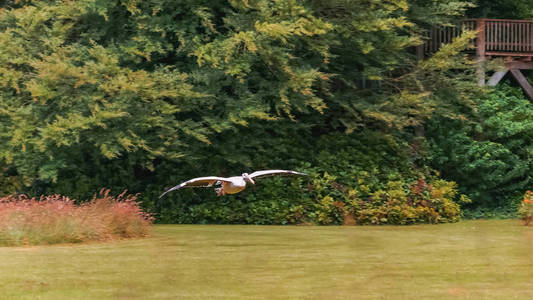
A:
253, 182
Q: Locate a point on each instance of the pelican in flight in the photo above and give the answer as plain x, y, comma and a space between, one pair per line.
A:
230, 185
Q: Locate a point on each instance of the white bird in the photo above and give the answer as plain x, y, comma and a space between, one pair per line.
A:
230, 185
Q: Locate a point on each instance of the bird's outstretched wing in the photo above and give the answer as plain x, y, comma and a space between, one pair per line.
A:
197, 182
266, 173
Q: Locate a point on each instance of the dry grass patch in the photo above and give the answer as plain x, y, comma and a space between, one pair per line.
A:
58, 219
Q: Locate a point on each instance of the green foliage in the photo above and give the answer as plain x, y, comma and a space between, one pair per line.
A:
146, 94
376, 182
10, 183
497, 213
85, 91
502, 9
380, 82
489, 156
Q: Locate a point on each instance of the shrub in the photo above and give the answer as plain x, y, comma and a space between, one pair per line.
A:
361, 178
397, 203
489, 155
58, 219
526, 209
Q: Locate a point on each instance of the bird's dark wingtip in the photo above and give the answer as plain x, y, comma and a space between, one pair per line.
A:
166, 192
172, 189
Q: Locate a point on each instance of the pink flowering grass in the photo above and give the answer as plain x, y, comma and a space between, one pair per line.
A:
57, 219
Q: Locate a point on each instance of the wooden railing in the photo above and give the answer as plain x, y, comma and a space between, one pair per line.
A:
444, 35
496, 37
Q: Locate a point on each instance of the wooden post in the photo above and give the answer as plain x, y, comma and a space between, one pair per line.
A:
496, 77
420, 52
480, 52
528, 90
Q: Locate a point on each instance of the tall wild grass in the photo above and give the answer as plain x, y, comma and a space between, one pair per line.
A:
58, 219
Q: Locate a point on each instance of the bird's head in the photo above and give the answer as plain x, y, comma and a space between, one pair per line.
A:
247, 178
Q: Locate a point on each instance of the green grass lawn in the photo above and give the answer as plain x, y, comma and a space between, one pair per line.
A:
471, 259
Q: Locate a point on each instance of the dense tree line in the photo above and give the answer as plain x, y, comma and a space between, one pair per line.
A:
145, 94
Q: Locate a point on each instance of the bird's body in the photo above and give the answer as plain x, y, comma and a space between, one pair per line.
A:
236, 184
230, 185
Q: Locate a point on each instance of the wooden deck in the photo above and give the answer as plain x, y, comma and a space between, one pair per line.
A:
511, 40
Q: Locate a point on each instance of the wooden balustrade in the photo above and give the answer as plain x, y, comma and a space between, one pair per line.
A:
496, 37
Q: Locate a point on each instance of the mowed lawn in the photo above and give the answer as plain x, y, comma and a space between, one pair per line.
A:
470, 259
